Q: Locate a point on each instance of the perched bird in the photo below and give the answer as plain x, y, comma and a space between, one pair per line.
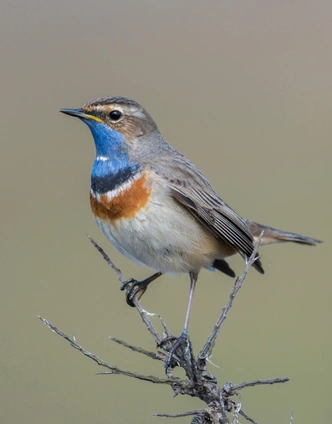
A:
155, 206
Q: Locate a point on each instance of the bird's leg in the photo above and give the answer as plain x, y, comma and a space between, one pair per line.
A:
137, 288
193, 280
184, 338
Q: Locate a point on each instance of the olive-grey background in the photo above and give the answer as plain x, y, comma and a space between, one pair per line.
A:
242, 88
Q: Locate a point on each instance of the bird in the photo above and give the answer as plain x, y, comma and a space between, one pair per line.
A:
156, 207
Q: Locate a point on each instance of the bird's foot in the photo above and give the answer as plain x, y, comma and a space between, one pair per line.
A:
137, 287
181, 342
134, 288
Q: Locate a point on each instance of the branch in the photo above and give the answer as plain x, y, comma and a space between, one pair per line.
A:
258, 382
181, 414
113, 368
237, 410
208, 347
247, 417
143, 313
152, 355
199, 382
108, 260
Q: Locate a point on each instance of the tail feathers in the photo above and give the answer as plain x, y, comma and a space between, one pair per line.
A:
272, 235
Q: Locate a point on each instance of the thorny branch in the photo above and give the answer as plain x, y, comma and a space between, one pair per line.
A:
199, 382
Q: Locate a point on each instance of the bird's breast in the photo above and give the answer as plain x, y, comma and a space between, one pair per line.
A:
124, 201
143, 221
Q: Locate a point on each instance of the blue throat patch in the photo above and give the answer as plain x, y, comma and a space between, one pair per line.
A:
111, 167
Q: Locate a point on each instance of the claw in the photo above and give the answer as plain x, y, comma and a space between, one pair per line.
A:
182, 341
126, 283
136, 288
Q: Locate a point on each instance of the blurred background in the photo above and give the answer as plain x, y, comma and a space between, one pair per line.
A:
243, 89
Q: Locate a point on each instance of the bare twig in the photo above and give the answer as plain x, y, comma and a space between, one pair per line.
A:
247, 417
166, 330
148, 323
113, 369
152, 355
122, 279
252, 383
237, 410
208, 347
142, 312
181, 414
107, 259
291, 418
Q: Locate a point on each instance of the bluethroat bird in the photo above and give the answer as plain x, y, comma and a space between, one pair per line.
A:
156, 207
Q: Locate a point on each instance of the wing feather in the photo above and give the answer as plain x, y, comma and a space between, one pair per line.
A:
219, 219
189, 187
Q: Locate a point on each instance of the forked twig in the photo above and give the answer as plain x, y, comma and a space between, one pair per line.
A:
113, 369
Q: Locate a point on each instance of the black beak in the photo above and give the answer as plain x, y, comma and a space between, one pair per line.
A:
74, 112
79, 113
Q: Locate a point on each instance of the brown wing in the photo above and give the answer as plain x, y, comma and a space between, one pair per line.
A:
190, 188
220, 219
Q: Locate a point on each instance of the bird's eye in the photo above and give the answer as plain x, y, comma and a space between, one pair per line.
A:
115, 115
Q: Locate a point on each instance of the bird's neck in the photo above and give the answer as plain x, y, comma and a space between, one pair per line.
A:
112, 167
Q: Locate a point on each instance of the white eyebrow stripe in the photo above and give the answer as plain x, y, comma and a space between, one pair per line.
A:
136, 112
102, 158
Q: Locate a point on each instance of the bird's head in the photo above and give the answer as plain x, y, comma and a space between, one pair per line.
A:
115, 122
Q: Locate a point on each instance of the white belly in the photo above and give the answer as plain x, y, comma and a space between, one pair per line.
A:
163, 236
